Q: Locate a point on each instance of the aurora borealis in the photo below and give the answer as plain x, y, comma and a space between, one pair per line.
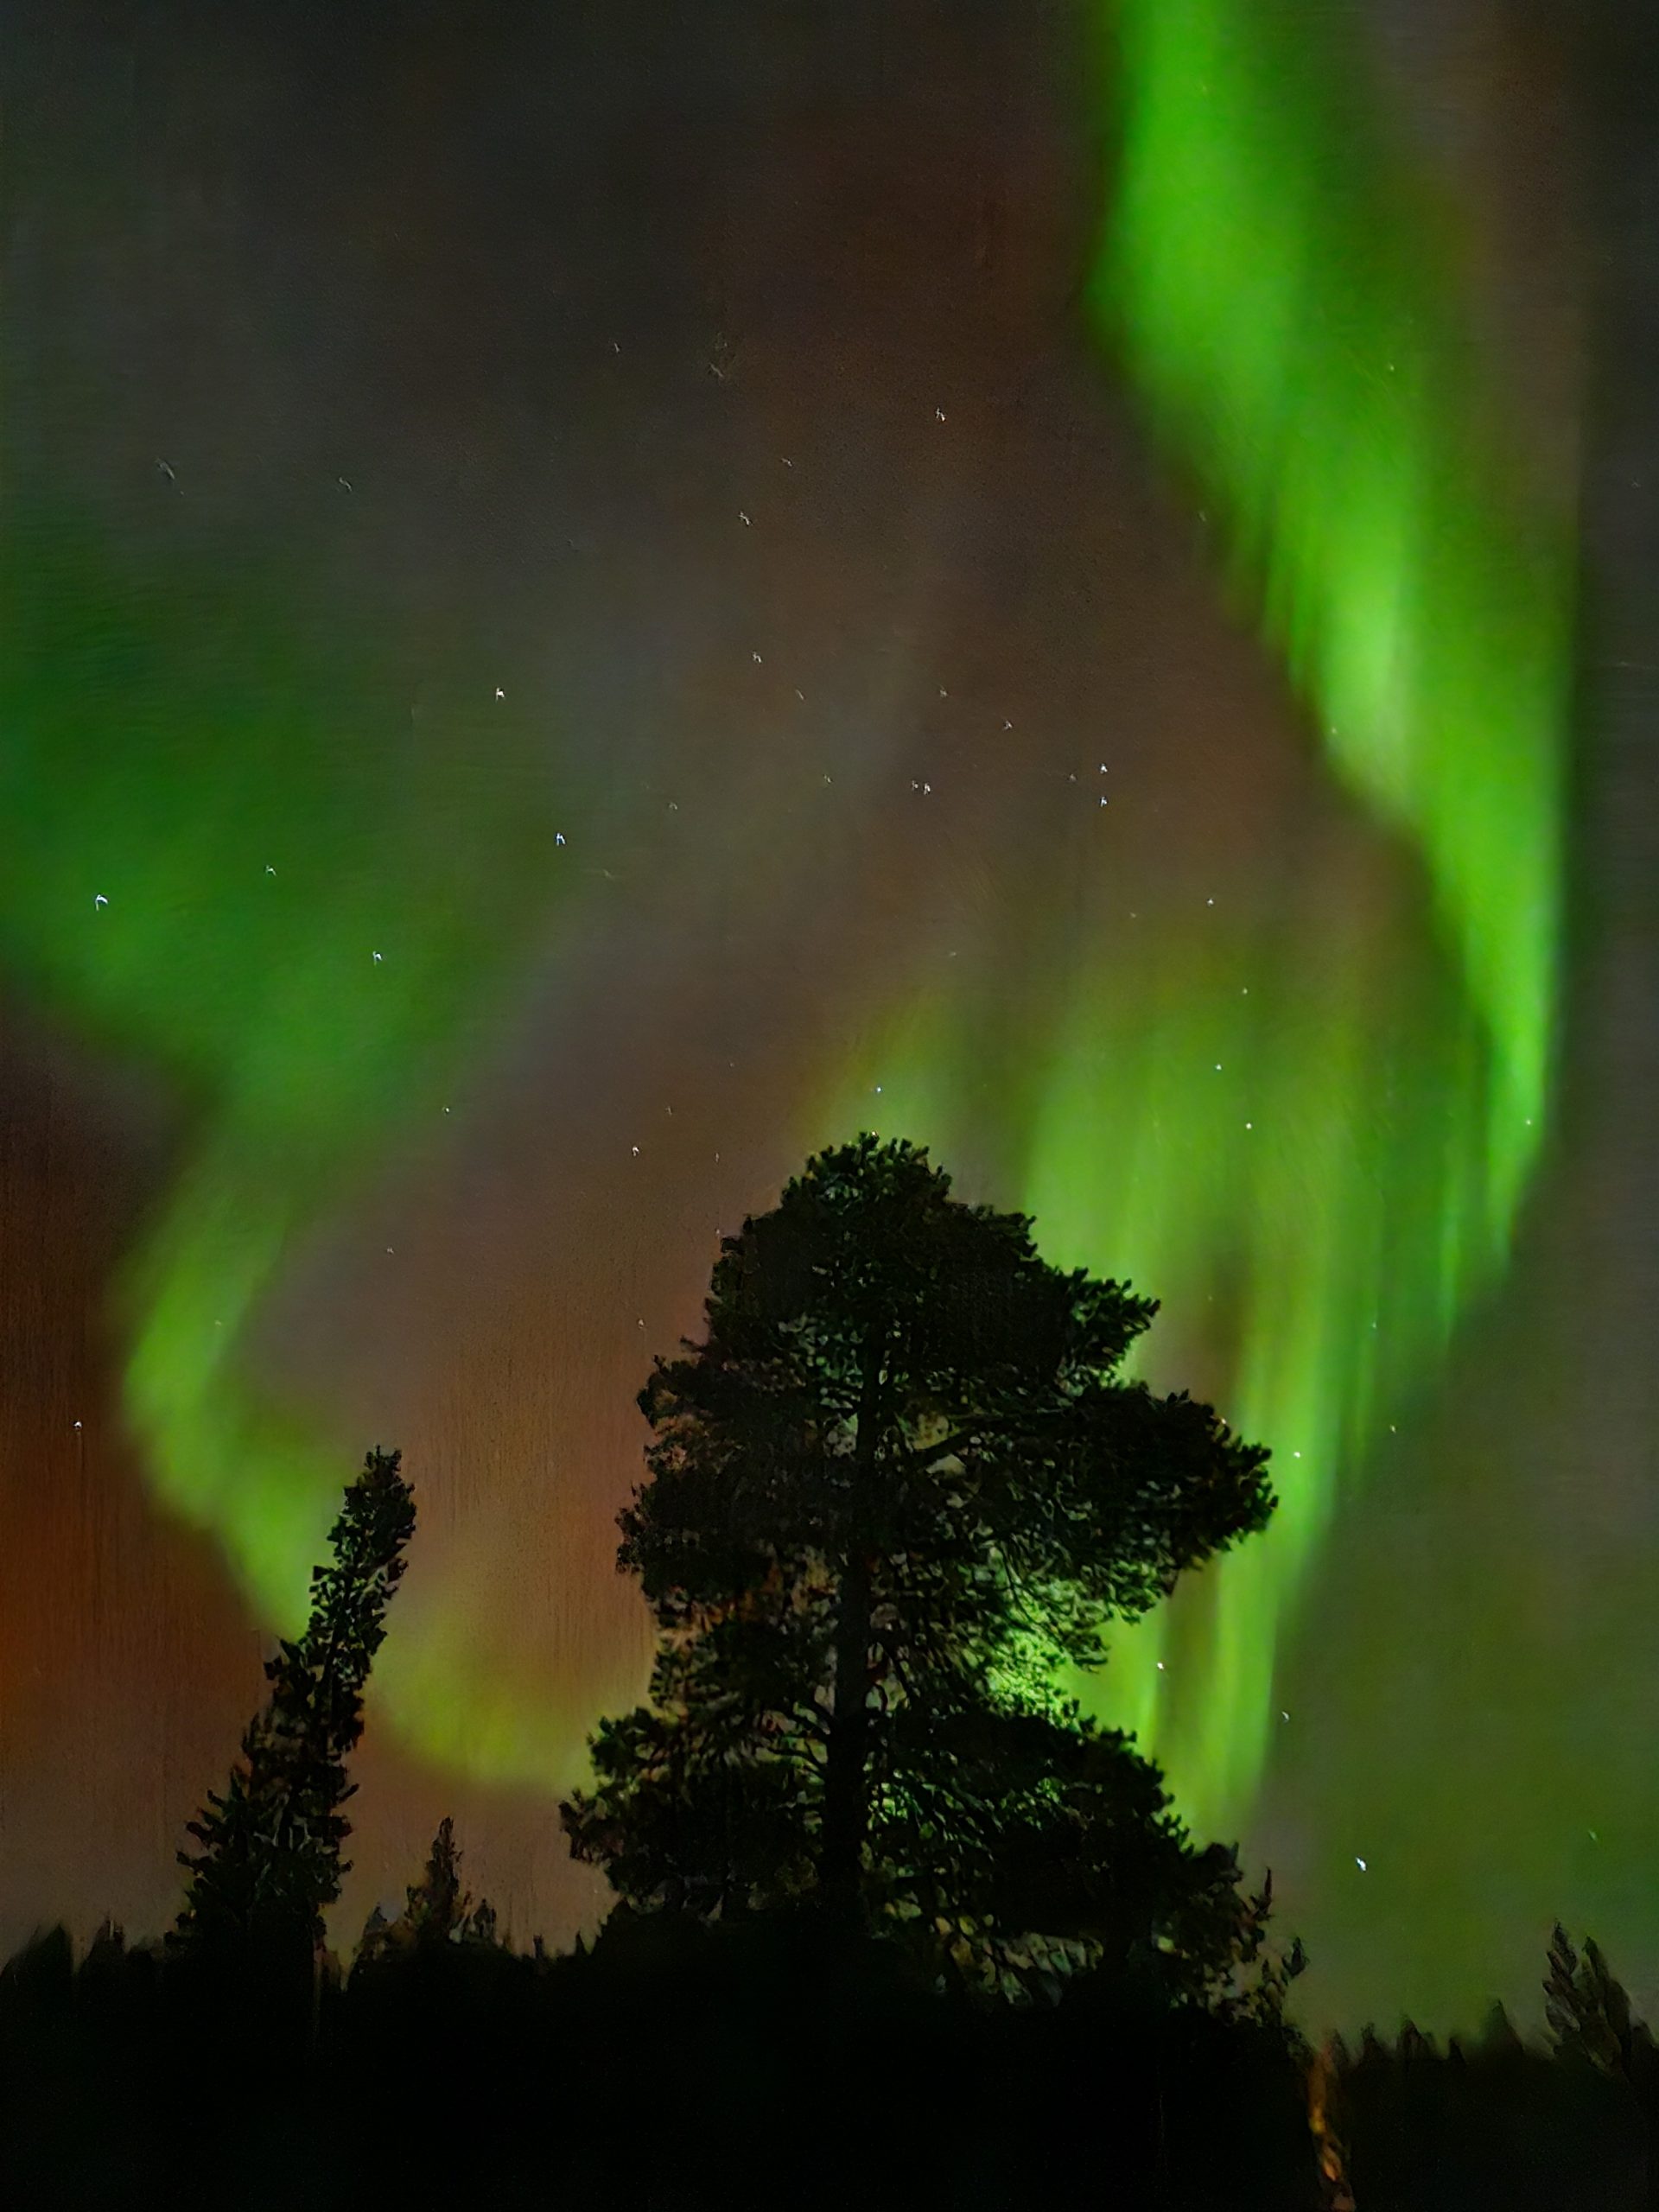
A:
624, 610
1421, 601
1271, 278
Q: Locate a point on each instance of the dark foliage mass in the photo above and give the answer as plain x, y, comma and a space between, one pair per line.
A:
1496, 2122
671, 2066
898, 1483
768, 2062
676, 2066
898, 1488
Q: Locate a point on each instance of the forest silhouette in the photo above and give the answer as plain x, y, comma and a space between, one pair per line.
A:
894, 1922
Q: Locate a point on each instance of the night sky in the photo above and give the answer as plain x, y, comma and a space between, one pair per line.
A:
590, 604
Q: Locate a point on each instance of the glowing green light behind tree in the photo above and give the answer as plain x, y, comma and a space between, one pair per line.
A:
269, 1865
1284, 294
901, 1453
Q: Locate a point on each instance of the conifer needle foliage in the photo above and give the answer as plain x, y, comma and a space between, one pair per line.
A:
269, 1862
898, 1488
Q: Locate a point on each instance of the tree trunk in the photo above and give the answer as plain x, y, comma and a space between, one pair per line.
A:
846, 1787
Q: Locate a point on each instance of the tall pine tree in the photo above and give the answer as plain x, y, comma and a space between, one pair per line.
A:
896, 1492
269, 1862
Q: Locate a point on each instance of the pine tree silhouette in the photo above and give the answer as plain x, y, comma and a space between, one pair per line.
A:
436, 1911
270, 1861
897, 1492
1588, 2011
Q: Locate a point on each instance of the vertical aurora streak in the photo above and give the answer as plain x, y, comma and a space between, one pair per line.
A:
1282, 293
1282, 289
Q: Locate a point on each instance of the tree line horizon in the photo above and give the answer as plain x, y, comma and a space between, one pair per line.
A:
897, 1487
896, 1491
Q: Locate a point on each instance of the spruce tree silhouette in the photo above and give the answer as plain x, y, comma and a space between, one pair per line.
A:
898, 1487
1589, 2013
436, 1910
270, 1858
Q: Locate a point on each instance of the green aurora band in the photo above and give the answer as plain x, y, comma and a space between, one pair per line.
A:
233, 865
1282, 289
1278, 290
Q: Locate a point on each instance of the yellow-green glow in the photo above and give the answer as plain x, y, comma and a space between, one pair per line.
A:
1281, 291
237, 857
262, 821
